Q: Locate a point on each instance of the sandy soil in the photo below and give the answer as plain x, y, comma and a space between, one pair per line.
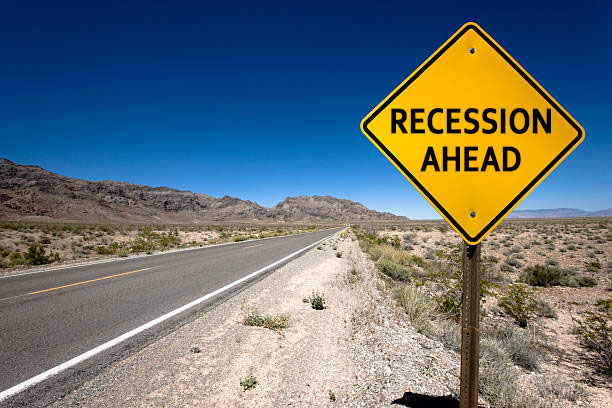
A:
566, 243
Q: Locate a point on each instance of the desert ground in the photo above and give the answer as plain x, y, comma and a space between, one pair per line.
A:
24, 245
546, 302
370, 317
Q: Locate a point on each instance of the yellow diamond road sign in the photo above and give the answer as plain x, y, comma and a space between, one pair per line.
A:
472, 131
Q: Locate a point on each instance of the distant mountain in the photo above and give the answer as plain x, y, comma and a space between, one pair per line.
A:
560, 213
326, 208
32, 193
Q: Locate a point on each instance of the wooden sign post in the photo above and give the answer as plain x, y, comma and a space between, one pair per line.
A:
470, 326
475, 134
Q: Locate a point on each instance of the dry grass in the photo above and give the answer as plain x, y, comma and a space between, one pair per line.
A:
567, 266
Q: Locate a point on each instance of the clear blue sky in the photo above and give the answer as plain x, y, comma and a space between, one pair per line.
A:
263, 100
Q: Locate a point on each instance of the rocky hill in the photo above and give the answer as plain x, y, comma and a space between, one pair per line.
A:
326, 208
32, 193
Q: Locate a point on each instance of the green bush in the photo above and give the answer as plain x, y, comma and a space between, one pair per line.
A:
594, 266
420, 308
36, 256
595, 333
547, 275
394, 270
16, 259
251, 317
248, 382
519, 304
586, 281
316, 300
542, 275
105, 250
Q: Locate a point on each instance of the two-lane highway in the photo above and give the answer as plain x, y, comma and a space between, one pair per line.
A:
49, 318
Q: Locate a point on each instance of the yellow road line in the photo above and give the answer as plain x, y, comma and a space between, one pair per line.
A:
253, 246
79, 283
87, 281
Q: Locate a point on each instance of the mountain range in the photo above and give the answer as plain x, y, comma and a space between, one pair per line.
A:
32, 193
560, 213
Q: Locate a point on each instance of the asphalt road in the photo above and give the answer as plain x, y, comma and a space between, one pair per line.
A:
50, 317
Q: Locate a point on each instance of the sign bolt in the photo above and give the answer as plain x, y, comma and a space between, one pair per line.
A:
472, 50
473, 214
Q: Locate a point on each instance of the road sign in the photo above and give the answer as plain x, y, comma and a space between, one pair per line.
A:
472, 131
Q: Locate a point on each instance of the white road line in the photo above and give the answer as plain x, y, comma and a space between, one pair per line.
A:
170, 251
105, 346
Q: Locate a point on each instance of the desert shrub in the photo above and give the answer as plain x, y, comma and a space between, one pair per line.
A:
554, 391
490, 273
105, 250
595, 333
15, 259
417, 260
513, 262
141, 245
449, 333
316, 300
552, 262
586, 281
498, 378
387, 252
450, 301
420, 308
338, 254
249, 382
519, 304
546, 275
544, 309
593, 266
36, 256
520, 345
447, 279
240, 238
394, 270
332, 396
252, 317
169, 240
541, 275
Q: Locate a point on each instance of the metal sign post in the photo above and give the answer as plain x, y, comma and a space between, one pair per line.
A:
470, 327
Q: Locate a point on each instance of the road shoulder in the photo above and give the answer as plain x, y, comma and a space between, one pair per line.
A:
303, 366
